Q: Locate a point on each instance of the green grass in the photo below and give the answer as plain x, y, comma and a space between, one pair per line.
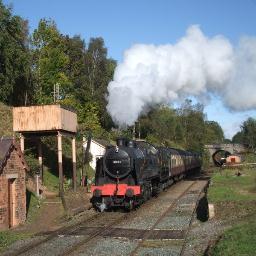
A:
250, 158
238, 241
33, 207
226, 186
9, 237
235, 200
51, 181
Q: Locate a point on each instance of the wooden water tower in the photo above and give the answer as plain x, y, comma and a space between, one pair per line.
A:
47, 120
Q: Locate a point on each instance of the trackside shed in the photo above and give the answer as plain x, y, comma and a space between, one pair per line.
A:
12, 184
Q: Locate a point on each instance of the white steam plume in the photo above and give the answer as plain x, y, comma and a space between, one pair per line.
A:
239, 94
194, 66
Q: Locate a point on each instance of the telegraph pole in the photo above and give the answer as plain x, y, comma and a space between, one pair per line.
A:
56, 92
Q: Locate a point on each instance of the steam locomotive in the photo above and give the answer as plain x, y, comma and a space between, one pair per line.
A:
133, 171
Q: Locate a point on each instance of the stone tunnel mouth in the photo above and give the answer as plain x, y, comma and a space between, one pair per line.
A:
219, 157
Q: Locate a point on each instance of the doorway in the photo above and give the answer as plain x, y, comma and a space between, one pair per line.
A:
11, 202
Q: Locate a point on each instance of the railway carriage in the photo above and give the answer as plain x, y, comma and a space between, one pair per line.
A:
132, 171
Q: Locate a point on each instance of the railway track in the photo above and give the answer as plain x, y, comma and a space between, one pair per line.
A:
155, 234
159, 221
31, 246
94, 234
150, 233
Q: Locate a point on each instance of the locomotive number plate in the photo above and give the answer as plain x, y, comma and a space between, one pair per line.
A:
117, 162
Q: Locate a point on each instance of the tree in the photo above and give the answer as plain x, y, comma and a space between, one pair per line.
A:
100, 72
89, 119
49, 62
161, 126
248, 130
192, 121
238, 137
247, 134
163, 122
213, 132
89, 71
76, 68
14, 59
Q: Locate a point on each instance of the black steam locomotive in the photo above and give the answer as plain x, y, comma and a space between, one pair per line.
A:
133, 171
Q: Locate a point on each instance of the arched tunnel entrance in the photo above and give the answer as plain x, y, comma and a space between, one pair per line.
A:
219, 157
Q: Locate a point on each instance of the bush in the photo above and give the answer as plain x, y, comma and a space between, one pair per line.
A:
32, 162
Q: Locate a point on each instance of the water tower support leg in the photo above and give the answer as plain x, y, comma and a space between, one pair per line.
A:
74, 162
22, 143
40, 159
61, 188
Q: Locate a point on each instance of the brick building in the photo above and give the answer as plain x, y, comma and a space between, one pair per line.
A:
12, 185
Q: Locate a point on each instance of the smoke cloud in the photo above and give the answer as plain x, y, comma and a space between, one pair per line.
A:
195, 66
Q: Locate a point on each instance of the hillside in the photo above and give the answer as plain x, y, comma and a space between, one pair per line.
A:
5, 120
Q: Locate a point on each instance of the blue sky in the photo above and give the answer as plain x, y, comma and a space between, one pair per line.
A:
123, 23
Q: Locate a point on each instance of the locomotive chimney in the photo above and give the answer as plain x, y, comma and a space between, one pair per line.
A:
134, 131
130, 144
121, 142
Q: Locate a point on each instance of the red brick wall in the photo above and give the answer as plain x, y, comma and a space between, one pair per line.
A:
14, 166
3, 203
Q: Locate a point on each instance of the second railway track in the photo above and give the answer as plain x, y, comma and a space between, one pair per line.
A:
159, 227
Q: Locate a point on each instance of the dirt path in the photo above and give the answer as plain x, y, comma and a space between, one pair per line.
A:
51, 214
47, 219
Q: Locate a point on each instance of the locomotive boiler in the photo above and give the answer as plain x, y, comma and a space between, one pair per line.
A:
132, 171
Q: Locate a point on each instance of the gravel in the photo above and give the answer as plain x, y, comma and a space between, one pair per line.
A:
21, 243
109, 246
55, 246
144, 218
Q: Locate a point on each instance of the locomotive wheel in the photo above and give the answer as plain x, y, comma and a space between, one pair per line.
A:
147, 192
129, 205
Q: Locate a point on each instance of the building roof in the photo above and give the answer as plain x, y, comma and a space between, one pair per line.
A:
99, 142
6, 145
104, 143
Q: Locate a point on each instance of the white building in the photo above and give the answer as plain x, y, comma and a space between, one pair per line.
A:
97, 150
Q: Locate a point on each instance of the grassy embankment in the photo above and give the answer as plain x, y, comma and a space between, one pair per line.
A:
234, 198
6, 121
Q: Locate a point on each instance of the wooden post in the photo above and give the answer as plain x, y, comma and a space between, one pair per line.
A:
61, 188
37, 186
74, 162
60, 162
40, 159
82, 173
22, 143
